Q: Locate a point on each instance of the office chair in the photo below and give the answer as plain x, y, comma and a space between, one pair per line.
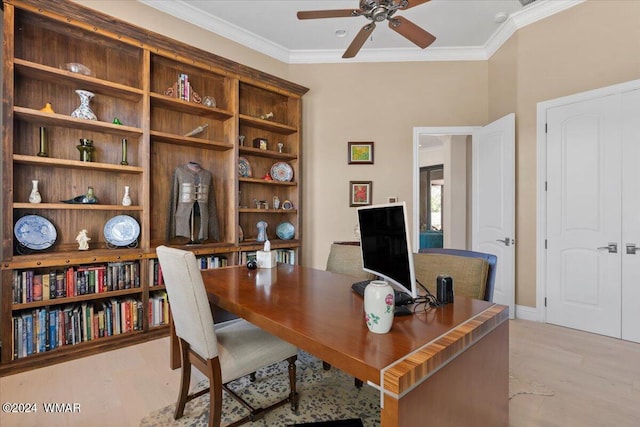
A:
346, 258
223, 352
491, 259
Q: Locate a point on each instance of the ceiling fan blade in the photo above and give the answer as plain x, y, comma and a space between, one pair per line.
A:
413, 3
359, 40
337, 13
411, 31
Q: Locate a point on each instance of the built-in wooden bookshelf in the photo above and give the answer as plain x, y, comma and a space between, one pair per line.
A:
148, 90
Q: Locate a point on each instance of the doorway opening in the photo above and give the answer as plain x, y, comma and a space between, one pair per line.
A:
431, 202
442, 188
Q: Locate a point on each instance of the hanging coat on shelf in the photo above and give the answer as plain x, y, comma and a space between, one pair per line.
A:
192, 194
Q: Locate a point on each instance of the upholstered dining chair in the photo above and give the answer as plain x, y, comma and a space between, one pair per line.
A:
346, 258
223, 352
486, 288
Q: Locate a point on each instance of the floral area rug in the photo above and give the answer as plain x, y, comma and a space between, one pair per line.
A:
324, 396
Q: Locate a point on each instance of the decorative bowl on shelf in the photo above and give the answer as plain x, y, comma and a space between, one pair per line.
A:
77, 68
285, 230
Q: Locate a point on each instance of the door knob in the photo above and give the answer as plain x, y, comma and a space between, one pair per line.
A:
507, 241
612, 248
632, 248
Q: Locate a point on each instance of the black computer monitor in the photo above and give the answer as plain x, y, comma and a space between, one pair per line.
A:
386, 245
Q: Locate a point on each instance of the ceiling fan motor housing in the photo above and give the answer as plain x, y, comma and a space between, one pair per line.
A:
379, 14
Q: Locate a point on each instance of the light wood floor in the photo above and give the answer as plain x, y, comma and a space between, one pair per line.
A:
595, 381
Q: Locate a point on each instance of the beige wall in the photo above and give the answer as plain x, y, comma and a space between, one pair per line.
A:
591, 45
380, 103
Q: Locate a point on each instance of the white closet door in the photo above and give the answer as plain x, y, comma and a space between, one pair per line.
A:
583, 215
631, 216
593, 215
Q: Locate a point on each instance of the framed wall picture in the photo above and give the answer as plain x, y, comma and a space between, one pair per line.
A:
360, 193
360, 153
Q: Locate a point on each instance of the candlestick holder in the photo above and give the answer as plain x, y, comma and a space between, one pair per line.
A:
124, 152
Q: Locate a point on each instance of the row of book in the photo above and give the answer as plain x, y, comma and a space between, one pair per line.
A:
35, 285
47, 328
158, 309
205, 263
184, 87
283, 256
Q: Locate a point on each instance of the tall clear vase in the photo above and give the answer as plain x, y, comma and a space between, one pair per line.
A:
84, 111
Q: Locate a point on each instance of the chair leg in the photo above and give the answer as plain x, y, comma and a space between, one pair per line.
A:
215, 392
293, 394
357, 383
185, 379
326, 366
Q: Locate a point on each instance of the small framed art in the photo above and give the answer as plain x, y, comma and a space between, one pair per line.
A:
360, 193
360, 153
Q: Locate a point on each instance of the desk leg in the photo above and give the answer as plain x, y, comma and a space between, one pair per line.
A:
472, 390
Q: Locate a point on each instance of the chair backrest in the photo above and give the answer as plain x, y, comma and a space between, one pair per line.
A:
347, 259
491, 259
188, 300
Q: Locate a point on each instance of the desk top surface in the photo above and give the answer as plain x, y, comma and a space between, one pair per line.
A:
317, 311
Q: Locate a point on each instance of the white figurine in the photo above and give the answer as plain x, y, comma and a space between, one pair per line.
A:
83, 240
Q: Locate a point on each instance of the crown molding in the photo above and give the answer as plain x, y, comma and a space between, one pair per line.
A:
534, 12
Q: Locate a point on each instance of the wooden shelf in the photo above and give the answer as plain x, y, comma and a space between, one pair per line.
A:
266, 153
75, 257
269, 211
42, 72
267, 125
189, 141
74, 164
183, 106
75, 206
76, 299
267, 182
55, 119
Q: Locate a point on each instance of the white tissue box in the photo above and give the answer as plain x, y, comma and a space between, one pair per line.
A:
266, 259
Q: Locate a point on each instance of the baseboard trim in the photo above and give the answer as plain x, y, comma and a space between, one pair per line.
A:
528, 313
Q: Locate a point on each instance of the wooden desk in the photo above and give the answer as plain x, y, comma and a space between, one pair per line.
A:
448, 366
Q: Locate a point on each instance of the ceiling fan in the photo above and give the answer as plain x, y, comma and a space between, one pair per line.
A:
377, 11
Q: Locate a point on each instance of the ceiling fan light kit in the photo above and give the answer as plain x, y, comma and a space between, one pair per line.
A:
377, 11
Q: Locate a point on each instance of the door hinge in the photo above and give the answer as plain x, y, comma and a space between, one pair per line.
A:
545, 127
545, 243
545, 301
546, 186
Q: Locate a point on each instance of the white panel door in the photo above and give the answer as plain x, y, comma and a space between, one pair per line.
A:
493, 201
631, 216
583, 215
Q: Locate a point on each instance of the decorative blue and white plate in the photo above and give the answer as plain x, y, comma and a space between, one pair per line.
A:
285, 230
35, 232
282, 171
121, 230
244, 167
